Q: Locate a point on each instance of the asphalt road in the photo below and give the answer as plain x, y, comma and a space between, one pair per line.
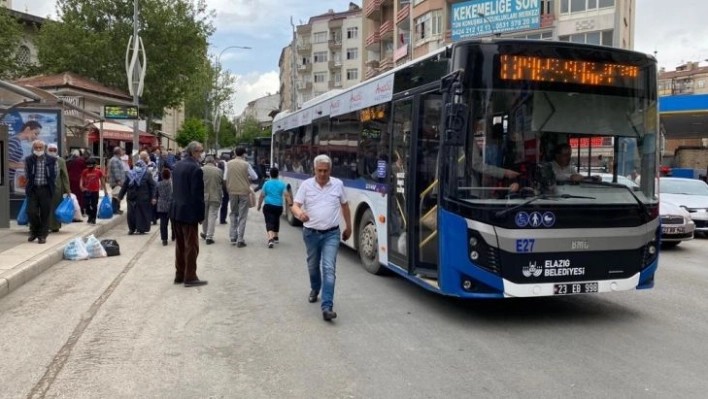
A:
118, 327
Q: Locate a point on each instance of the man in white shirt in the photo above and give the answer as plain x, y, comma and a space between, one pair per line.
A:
562, 169
320, 203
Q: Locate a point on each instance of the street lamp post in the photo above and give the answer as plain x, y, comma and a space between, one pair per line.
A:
215, 122
491, 27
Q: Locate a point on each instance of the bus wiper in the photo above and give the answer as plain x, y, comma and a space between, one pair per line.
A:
642, 205
504, 212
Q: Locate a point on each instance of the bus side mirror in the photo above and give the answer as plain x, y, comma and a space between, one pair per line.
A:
455, 127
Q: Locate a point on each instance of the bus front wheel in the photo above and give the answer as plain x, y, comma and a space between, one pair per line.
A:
368, 244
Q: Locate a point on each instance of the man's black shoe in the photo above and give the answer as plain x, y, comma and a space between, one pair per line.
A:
240, 244
209, 241
329, 314
179, 281
202, 235
42, 240
31, 238
313, 297
195, 283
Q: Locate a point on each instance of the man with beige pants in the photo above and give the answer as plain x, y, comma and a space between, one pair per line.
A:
238, 175
213, 183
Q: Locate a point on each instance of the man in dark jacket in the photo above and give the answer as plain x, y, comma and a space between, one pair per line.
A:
41, 171
187, 212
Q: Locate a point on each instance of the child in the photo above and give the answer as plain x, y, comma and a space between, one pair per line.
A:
163, 195
90, 184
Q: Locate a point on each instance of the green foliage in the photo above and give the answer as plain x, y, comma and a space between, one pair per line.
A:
249, 129
10, 36
227, 133
192, 130
205, 94
92, 36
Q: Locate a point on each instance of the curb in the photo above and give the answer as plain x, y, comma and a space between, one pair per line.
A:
33, 267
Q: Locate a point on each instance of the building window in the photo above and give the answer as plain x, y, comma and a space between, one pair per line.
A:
320, 56
352, 74
337, 57
337, 36
319, 37
571, 6
416, 2
604, 38
320, 77
352, 53
352, 33
701, 84
548, 35
23, 56
428, 25
337, 77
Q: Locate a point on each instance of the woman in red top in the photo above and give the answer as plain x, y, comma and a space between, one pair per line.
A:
91, 183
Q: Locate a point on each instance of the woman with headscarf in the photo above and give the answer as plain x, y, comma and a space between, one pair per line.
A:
139, 190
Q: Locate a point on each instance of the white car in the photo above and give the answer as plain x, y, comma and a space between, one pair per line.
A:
689, 194
676, 222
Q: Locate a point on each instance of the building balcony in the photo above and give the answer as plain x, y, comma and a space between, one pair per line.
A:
386, 30
335, 44
386, 63
336, 23
370, 73
304, 86
372, 9
547, 20
304, 47
335, 85
304, 68
304, 29
403, 18
335, 64
372, 41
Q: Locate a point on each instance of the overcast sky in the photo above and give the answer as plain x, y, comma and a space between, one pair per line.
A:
676, 30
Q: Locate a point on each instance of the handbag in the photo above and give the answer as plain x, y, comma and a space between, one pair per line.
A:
22, 217
251, 199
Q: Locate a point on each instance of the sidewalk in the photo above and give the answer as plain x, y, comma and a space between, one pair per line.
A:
21, 261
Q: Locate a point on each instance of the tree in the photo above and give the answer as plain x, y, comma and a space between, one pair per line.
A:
91, 38
202, 97
10, 36
248, 130
192, 130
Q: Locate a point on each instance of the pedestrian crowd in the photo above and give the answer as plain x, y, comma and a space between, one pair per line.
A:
183, 192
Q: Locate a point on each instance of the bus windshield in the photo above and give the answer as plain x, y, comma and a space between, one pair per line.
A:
554, 141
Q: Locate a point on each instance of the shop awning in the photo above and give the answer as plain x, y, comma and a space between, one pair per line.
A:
117, 131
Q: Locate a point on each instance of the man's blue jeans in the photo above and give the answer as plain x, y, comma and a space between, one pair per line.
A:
322, 249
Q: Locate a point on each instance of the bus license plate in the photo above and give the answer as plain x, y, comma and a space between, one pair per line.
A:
672, 230
574, 288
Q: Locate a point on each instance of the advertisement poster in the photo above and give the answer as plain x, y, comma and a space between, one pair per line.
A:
25, 126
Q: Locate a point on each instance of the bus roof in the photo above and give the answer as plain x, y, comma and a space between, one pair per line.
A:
380, 88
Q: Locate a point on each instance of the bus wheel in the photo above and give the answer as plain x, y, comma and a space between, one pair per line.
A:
368, 244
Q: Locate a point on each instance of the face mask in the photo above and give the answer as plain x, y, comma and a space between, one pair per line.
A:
38, 153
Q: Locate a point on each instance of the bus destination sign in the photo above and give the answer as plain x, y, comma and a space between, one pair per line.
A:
120, 112
557, 70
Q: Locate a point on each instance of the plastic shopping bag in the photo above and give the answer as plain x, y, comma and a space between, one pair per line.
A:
94, 247
77, 207
22, 217
76, 250
105, 209
65, 211
111, 246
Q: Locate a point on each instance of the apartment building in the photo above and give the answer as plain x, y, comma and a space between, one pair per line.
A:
328, 53
287, 82
397, 31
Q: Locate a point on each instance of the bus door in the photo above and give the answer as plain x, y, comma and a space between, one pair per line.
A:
412, 222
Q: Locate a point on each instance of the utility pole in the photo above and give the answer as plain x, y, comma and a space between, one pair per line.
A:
293, 68
135, 69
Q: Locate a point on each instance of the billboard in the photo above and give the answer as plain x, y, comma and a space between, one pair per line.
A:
486, 17
25, 126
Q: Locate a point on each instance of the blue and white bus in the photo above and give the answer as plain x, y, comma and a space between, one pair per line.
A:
473, 171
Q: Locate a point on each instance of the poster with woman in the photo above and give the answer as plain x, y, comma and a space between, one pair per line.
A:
25, 126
